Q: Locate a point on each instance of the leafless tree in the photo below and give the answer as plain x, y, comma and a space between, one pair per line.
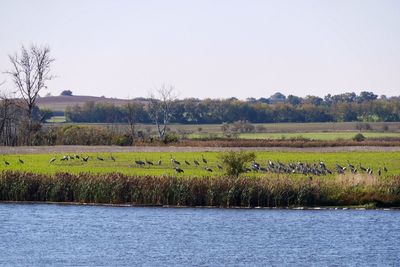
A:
7, 119
160, 108
30, 71
132, 113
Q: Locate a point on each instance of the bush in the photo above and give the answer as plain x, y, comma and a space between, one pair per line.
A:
359, 137
234, 162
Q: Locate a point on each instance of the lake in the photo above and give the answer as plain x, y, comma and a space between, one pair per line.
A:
54, 235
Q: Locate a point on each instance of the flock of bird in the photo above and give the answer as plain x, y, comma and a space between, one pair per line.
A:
277, 167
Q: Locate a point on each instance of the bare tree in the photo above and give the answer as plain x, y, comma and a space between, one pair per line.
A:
133, 110
8, 114
30, 71
160, 108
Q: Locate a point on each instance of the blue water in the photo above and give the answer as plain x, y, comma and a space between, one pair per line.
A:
53, 235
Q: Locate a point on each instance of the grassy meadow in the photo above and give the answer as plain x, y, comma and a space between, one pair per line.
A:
125, 162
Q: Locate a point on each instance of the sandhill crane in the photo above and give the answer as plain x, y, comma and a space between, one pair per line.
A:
140, 163
203, 159
208, 169
174, 161
178, 170
196, 162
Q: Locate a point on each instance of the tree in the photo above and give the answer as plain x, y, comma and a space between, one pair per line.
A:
30, 72
66, 93
160, 108
235, 162
133, 112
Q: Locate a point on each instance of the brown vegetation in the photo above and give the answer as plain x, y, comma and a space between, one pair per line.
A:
268, 191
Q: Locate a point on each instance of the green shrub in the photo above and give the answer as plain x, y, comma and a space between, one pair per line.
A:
235, 162
359, 137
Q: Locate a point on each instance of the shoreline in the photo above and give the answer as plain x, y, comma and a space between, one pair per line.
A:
125, 205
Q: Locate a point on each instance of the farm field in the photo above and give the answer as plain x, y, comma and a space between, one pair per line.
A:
125, 162
313, 127
318, 135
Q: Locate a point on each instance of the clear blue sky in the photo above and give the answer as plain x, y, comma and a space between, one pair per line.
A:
210, 48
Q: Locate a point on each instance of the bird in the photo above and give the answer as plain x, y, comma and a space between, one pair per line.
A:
178, 170
140, 163
52, 160
379, 172
76, 156
208, 169
219, 166
100, 158
21, 161
385, 169
159, 162
174, 161
196, 162
66, 157
187, 162
6, 162
85, 159
203, 159
149, 162
112, 158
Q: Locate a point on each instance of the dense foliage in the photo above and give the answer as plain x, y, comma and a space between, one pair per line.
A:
365, 107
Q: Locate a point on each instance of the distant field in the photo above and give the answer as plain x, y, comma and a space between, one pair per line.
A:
60, 103
56, 119
279, 128
308, 135
124, 162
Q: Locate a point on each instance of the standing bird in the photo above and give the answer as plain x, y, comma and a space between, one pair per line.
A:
196, 162
140, 163
203, 159
159, 162
112, 158
178, 170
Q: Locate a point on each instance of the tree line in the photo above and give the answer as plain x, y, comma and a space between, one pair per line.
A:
365, 107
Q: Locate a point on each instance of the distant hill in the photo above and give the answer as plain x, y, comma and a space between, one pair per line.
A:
59, 103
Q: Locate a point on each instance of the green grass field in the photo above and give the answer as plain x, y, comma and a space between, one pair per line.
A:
124, 162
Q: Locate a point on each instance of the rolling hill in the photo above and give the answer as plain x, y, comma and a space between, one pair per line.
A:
59, 103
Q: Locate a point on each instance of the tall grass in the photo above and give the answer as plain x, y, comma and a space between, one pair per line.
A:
268, 191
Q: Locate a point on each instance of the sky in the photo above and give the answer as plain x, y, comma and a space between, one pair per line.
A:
209, 48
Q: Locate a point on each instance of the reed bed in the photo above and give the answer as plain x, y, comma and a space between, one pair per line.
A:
266, 191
